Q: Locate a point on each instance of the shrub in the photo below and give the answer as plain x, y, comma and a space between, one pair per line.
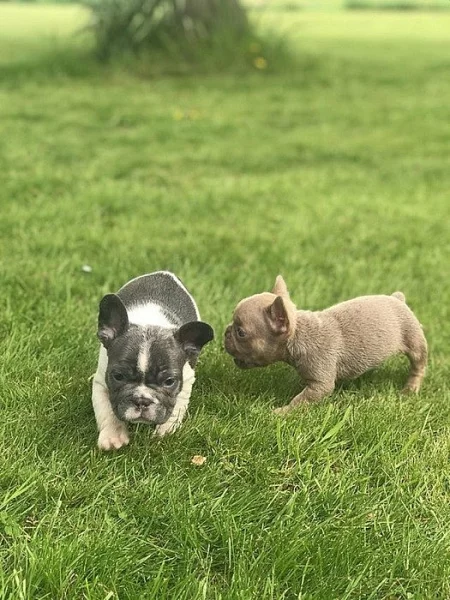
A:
121, 25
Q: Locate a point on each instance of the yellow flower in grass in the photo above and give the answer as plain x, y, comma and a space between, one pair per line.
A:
178, 114
260, 63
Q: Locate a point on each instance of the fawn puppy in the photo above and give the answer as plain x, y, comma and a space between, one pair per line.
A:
341, 342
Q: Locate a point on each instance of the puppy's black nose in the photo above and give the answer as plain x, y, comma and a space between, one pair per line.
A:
142, 402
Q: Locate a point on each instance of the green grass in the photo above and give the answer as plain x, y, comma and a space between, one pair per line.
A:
398, 4
335, 173
321, 5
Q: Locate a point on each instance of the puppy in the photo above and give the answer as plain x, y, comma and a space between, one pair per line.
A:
151, 338
341, 342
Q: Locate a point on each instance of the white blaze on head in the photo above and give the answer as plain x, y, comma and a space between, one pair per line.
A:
145, 315
142, 360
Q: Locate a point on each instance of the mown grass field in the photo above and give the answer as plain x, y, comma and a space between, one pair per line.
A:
334, 172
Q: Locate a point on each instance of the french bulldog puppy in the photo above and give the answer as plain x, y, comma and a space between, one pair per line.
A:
151, 337
341, 342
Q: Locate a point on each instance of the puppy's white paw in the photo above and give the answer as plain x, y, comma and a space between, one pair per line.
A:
166, 428
113, 439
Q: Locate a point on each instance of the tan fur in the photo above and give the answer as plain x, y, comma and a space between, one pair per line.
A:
341, 342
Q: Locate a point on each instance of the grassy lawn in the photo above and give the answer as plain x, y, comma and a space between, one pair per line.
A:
335, 173
321, 5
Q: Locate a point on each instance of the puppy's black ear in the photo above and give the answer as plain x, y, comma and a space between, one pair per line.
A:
112, 319
193, 336
278, 316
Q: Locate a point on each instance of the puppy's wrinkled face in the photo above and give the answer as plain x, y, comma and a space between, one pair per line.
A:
145, 374
253, 338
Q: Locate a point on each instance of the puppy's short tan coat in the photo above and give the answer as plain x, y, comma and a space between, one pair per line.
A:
341, 342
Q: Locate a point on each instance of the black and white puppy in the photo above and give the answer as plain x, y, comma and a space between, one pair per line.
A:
151, 337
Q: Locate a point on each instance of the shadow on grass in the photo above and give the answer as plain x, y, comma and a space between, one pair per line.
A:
390, 376
227, 384
76, 59
53, 63
278, 384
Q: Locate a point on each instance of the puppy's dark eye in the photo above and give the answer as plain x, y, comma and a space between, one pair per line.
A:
240, 332
169, 382
118, 376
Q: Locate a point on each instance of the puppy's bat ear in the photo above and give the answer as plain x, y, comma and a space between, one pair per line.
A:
280, 287
112, 319
193, 336
278, 316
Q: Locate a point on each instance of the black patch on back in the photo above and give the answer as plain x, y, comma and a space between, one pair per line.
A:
162, 289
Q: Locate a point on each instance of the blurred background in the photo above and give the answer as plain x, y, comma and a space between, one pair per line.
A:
227, 141
256, 136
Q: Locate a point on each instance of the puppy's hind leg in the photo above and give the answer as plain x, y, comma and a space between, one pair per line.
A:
417, 352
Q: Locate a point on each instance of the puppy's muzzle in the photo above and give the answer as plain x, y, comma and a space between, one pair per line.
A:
142, 402
231, 349
228, 341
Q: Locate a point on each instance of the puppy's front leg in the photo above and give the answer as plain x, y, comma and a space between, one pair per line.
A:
314, 391
113, 433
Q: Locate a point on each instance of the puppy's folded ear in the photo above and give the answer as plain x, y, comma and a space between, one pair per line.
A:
278, 316
280, 287
193, 336
112, 319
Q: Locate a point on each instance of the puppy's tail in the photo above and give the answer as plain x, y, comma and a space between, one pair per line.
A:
400, 296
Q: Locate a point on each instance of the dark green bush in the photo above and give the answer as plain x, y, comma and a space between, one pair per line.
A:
124, 25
